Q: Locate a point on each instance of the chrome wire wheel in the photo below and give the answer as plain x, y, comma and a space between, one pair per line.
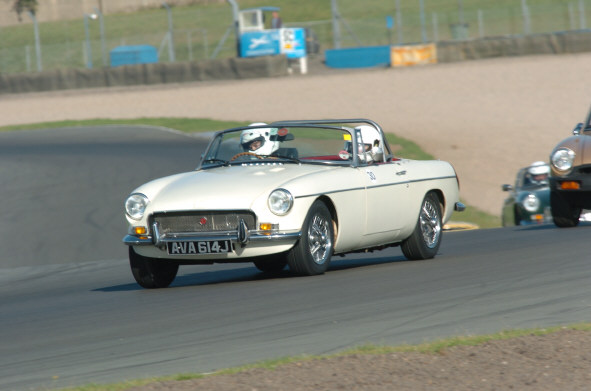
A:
319, 239
425, 239
430, 222
311, 255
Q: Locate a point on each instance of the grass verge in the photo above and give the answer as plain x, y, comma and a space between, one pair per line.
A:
434, 347
400, 146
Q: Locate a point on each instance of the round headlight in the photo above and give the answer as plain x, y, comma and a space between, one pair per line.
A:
563, 158
135, 205
531, 203
280, 202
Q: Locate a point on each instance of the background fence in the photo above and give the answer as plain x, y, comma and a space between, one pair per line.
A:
203, 30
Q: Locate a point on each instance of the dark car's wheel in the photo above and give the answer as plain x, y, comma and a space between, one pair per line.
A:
517, 216
150, 272
311, 255
271, 263
426, 237
563, 213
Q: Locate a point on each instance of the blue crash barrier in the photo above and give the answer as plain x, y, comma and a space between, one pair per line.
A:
359, 57
137, 54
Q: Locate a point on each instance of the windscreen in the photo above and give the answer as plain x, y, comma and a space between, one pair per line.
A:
301, 144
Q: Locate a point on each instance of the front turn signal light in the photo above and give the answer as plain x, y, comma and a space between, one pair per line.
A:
570, 185
266, 228
140, 230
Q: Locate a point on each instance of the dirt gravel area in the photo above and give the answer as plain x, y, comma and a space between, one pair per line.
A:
487, 117
558, 361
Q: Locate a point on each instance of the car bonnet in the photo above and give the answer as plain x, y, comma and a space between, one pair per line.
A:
233, 187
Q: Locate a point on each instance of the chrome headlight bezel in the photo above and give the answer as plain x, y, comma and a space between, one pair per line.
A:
562, 159
135, 205
280, 202
531, 203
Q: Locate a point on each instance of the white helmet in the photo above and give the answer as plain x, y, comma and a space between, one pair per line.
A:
266, 137
370, 144
538, 172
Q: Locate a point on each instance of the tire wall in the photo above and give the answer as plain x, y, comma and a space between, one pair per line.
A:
472, 49
158, 73
550, 43
275, 66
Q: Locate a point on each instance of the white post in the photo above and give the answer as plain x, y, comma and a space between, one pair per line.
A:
435, 27
102, 29
304, 65
37, 42
480, 24
399, 22
526, 19
422, 19
336, 28
170, 36
583, 22
88, 48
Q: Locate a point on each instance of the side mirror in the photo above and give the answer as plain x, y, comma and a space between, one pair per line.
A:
507, 187
577, 130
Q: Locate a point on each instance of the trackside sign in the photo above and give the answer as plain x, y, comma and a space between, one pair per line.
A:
408, 55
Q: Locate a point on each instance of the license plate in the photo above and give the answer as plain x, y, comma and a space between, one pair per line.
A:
199, 247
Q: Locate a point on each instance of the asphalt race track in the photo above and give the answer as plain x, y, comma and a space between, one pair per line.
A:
71, 313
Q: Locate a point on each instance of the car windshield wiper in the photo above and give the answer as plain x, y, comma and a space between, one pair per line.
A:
290, 158
215, 160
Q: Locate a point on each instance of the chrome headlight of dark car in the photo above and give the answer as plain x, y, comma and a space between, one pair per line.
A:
531, 203
135, 205
562, 159
280, 202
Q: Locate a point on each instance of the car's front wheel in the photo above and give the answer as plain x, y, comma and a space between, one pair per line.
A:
311, 255
563, 213
517, 216
425, 240
150, 272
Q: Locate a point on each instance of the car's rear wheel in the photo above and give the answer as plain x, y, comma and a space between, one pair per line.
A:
311, 254
150, 272
563, 213
271, 263
425, 240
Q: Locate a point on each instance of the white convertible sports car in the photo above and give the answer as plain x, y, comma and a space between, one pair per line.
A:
289, 193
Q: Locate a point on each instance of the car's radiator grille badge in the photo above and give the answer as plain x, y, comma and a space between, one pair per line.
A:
203, 221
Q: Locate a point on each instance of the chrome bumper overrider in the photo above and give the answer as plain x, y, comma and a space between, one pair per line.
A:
241, 236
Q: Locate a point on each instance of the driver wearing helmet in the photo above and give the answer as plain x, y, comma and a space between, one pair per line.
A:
369, 144
260, 141
538, 172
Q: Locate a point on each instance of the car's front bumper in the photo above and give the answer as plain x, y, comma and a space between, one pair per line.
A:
278, 237
576, 188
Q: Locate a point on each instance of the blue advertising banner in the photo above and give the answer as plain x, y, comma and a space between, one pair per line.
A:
259, 43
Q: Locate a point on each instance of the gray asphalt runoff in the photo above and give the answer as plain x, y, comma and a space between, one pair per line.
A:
71, 313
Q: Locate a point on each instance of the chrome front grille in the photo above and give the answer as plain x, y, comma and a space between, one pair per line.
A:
206, 221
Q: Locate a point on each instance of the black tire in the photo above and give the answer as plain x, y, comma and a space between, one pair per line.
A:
563, 213
152, 273
311, 254
425, 240
271, 263
517, 218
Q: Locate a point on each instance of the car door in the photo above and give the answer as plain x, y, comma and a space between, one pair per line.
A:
387, 196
